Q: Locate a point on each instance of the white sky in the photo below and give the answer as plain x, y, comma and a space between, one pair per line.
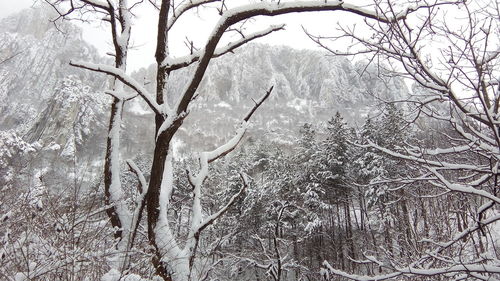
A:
197, 29
8, 7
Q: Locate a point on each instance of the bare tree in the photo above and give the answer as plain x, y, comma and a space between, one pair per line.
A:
453, 56
172, 261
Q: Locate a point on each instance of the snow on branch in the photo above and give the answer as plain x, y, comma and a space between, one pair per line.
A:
415, 267
209, 156
434, 166
98, 4
328, 270
482, 141
209, 220
198, 223
137, 213
419, 152
231, 144
228, 146
64, 11
439, 164
122, 76
460, 236
403, 14
489, 56
462, 188
173, 64
165, 239
279, 8
120, 95
170, 120
412, 271
140, 176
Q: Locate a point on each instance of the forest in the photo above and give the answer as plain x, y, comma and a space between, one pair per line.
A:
374, 157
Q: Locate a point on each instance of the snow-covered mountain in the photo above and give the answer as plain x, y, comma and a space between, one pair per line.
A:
301, 78
44, 100
47, 101
35, 53
309, 86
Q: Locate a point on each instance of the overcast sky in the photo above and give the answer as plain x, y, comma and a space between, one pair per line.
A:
197, 28
8, 7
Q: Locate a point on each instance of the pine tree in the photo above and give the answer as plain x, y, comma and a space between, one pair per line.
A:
335, 151
392, 131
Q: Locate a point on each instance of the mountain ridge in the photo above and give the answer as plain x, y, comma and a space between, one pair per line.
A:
309, 87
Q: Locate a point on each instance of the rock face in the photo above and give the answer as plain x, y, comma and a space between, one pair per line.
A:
74, 117
301, 79
309, 75
44, 99
47, 101
35, 57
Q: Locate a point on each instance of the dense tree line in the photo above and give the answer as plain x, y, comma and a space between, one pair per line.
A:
329, 198
324, 197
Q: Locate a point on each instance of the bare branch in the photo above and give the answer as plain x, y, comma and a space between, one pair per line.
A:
124, 78
179, 11
173, 64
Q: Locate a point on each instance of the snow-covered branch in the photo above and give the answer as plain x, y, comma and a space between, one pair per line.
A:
463, 188
210, 219
98, 4
412, 271
417, 152
120, 95
232, 143
123, 77
418, 267
140, 176
198, 223
434, 163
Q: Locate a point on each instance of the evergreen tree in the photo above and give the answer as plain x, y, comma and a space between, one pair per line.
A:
334, 152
